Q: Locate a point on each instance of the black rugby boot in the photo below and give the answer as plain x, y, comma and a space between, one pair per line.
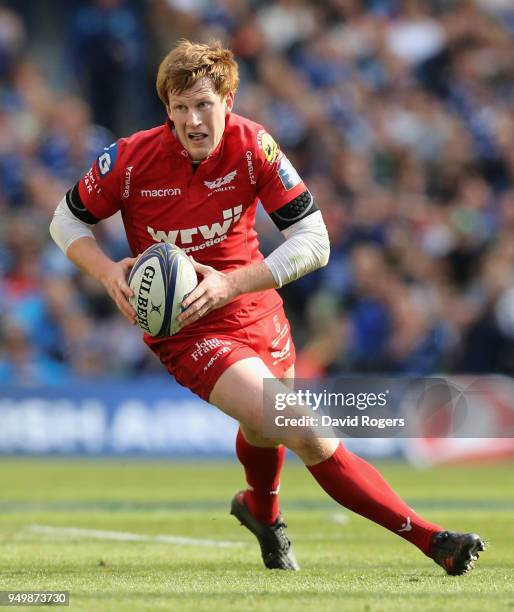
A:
276, 549
456, 552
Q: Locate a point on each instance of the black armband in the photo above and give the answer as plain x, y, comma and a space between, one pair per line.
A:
77, 207
299, 208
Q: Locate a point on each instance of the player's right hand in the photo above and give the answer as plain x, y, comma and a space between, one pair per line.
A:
114, 279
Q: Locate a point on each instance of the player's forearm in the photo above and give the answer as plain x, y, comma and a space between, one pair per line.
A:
89, 257
76, 240
248, 279
306, 248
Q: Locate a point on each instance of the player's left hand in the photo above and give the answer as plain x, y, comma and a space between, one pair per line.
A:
214, 291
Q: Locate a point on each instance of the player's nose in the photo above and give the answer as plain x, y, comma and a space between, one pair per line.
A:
193, 118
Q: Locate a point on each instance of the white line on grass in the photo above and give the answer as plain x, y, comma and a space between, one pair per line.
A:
124, 536
340, 518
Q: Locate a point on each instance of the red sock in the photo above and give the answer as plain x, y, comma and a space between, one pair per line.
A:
262, 468
358, 486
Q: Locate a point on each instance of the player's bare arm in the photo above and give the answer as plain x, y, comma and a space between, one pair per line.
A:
89, 257
75, 238
218, 288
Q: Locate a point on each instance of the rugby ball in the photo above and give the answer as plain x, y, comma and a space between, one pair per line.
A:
161, 278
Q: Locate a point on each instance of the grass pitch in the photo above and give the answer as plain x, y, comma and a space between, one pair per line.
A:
347, 562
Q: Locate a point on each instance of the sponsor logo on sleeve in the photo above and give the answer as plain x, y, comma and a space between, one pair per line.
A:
91, 183
288, 175
107, 159
269, 147
251, 172
126, 184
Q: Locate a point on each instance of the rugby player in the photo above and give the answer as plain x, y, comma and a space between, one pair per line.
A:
196, 181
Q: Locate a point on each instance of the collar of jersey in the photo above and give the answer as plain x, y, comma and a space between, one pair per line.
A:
173, 145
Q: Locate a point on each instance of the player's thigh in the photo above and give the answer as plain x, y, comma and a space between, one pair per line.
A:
253, 436
239, 391
288, 378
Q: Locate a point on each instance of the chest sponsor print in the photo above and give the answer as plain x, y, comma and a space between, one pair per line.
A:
212, 234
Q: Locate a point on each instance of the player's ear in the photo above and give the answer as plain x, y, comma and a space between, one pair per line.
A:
229, 102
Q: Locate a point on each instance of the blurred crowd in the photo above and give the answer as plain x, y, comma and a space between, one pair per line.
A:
399, 115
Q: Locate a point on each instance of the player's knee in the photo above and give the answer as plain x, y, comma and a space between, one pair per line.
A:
254, 438
311, 450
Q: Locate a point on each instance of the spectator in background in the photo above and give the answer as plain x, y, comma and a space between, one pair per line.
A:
107, 50
21, 364
12, 42
71, 139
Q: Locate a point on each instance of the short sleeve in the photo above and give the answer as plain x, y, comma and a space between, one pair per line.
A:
99, 188
278, 182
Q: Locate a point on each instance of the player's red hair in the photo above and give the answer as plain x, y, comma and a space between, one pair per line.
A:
188, 62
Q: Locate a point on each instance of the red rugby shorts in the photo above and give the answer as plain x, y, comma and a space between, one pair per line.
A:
197, 357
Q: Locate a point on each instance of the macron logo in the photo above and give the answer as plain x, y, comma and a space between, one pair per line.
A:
220, 182
160, 193
406, 526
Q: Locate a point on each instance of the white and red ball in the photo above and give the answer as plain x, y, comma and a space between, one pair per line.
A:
161, 278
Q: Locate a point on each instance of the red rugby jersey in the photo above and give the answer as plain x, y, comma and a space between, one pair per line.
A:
210, 211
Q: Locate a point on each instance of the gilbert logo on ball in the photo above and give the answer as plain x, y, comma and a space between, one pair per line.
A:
160, 279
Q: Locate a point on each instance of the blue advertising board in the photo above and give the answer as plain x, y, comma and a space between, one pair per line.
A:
146, 417
153, 416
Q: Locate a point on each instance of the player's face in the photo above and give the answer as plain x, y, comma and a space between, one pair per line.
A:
199, 115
